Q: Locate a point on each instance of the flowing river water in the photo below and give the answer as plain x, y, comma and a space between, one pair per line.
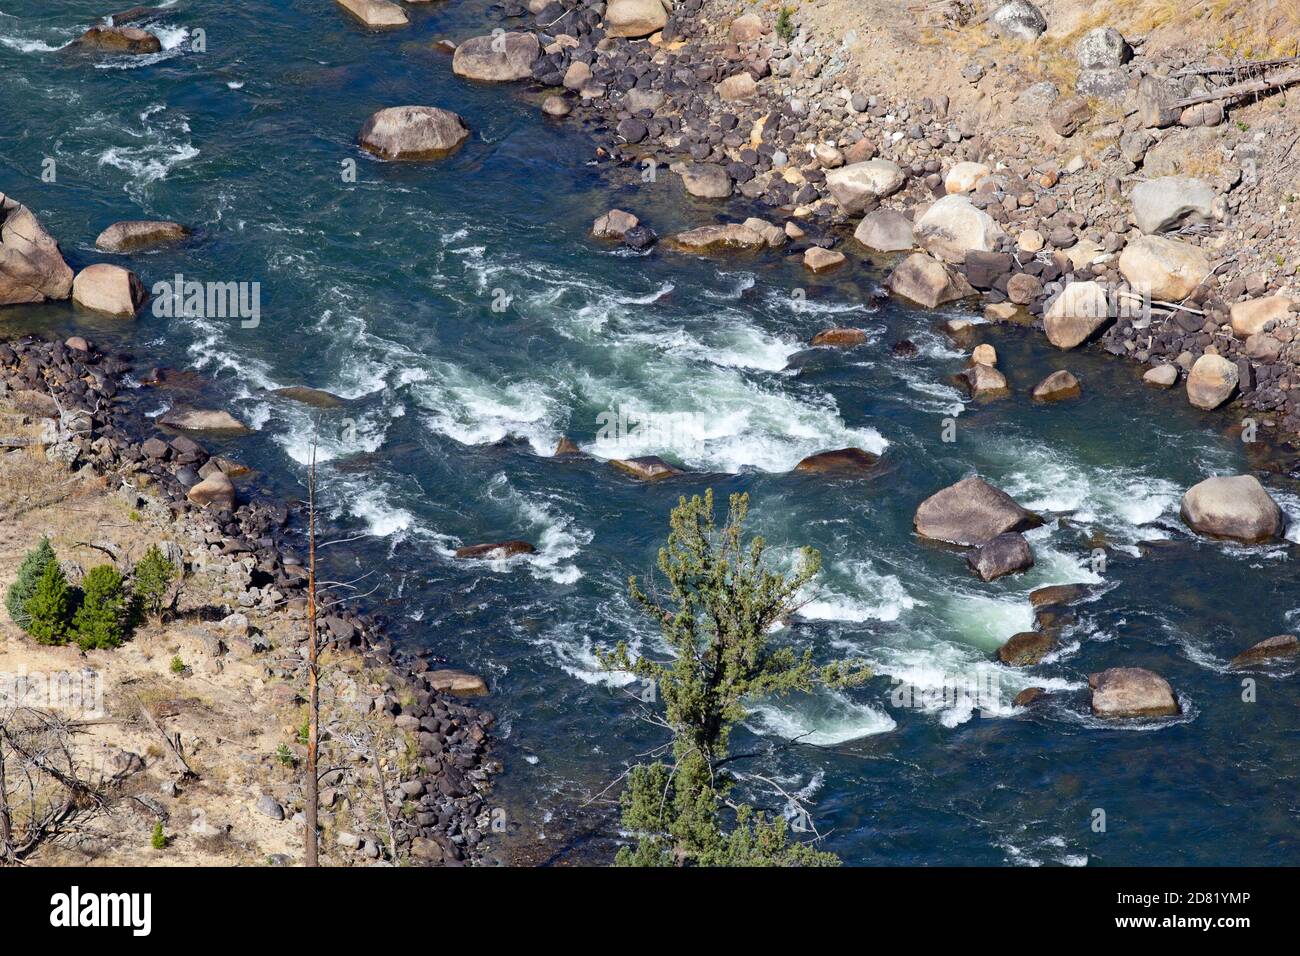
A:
472, 321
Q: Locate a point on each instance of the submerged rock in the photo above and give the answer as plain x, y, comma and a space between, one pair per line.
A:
1131, 692
840, 460
317, 398
1237, 508
496, 551
1271, 648
131, 40
132, 236
719, 238
413, 132
971, 512
31, 266
1058, 386
1025, 649
457, 683
840, 338
647, 468
1055, 595
1029, 696
202, 420
1005, 554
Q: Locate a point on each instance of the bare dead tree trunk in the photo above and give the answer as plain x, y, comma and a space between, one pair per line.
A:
313, 667
6, 821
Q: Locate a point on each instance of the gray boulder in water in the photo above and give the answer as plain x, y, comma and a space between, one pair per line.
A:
502, 58
972, 512
1006, 554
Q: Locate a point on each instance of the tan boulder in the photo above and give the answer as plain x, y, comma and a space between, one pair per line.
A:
108, 288
457, 683
821, 260
1236, 507
216, 490
1079, 310
614, 224
501, 58
927, 281
495, 551
1211, 381
648, 468
885, 230
413, 132
953, 226
719, 238
859, 185
742, 86
746, 27
376, 14
1166, 269
634, 18
134, 235
1271, 648
1131, 692
31, 267
1164, 375
1058, 386
202, 420
1025, 649
984, 382
965, 177
1248, 318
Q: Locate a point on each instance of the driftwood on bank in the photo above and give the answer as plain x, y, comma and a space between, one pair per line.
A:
1238, 89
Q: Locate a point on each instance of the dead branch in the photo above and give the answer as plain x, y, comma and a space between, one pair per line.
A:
173, 744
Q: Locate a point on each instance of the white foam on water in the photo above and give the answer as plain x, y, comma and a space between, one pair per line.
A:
555, 533
824, 719
852, 590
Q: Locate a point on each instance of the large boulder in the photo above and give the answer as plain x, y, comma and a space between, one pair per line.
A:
131, 40
927, 281
842, 460
1078, 311
1018, 20
724, 237
131, 236
859, 185
741, 86
817, 259
954, 226
1211, 381
109, 289
614, 224
216, 490
1250, 318
634, 18
1237, 508
971, 513
885, 230
1102, 48
1006, 554
707, 180
413, 132
1271, 648
747, 27
31, 267
376, 14
984, 381
1131, 692
502, 58
1170, 202
1164, 268
839, 338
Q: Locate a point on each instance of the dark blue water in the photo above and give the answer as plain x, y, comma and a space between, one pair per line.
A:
383, 290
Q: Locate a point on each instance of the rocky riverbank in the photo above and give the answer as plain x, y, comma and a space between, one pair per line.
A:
241, 612
1088, 185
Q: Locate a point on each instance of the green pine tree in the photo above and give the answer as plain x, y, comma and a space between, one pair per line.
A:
29, 572
100, 622
49, 606
150, 579
721, 603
